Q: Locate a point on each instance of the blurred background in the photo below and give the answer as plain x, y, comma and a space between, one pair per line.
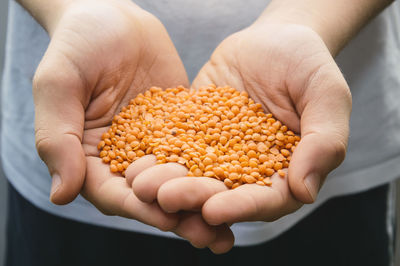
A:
3, 190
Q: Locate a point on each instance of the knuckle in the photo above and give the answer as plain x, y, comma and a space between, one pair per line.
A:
348, 96
202, 241
147, 18
38, 80
339, 149
43, 80
344, 90
43, 142
166, 226
106, 212
46, 73
55, 72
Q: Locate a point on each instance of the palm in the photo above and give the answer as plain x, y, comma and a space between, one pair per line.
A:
129, 64
264, 67
102, 54
291, 73
271, 65
105, 54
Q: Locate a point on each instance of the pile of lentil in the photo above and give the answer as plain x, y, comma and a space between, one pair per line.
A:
215, 132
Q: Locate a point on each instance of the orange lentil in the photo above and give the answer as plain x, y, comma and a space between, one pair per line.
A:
120, 144
209, 174
207, 161
252, 146
285, 152
235, 185
140, 153
281, 173
111, 154
234, 176
269, 164
267, 181
255, 175
253, 163
219, 171
250, 179
197, 172
252, 154
274, 151
228, 182
101, 145
280, 136
216, 132
263, 158
285, 164
261, 147
261, 183
120, 167
269, 172
103, 153
278, 166
113, 168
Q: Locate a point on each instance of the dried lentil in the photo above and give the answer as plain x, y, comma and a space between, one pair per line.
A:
217, 132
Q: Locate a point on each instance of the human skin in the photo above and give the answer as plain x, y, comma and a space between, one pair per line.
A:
285, 60
87, 74
102, 54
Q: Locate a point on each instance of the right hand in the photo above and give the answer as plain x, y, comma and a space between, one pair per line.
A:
101, 55
290, 71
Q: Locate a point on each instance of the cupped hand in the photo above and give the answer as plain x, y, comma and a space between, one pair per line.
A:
146, 177
101, 55
289, 70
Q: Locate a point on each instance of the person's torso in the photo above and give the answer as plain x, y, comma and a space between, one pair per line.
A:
370, 64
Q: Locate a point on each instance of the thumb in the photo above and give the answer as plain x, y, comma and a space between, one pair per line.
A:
59, 120
324, 133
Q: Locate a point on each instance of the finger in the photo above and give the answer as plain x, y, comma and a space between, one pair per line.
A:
168, 70
218, 71
193, 228
112, 195
250, 202
325, 129
203, 78
187, 193
139, 166
59, 94
224, 240
146, 184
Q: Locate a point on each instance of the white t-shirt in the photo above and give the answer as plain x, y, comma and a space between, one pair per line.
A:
370, 63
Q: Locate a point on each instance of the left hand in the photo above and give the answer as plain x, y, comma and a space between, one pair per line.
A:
290, 71
101, 55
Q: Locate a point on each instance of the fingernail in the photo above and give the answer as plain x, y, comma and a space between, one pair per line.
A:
312, 183
55, 184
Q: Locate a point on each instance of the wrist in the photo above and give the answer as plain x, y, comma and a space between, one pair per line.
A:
46, 12
278, 13
336, 22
